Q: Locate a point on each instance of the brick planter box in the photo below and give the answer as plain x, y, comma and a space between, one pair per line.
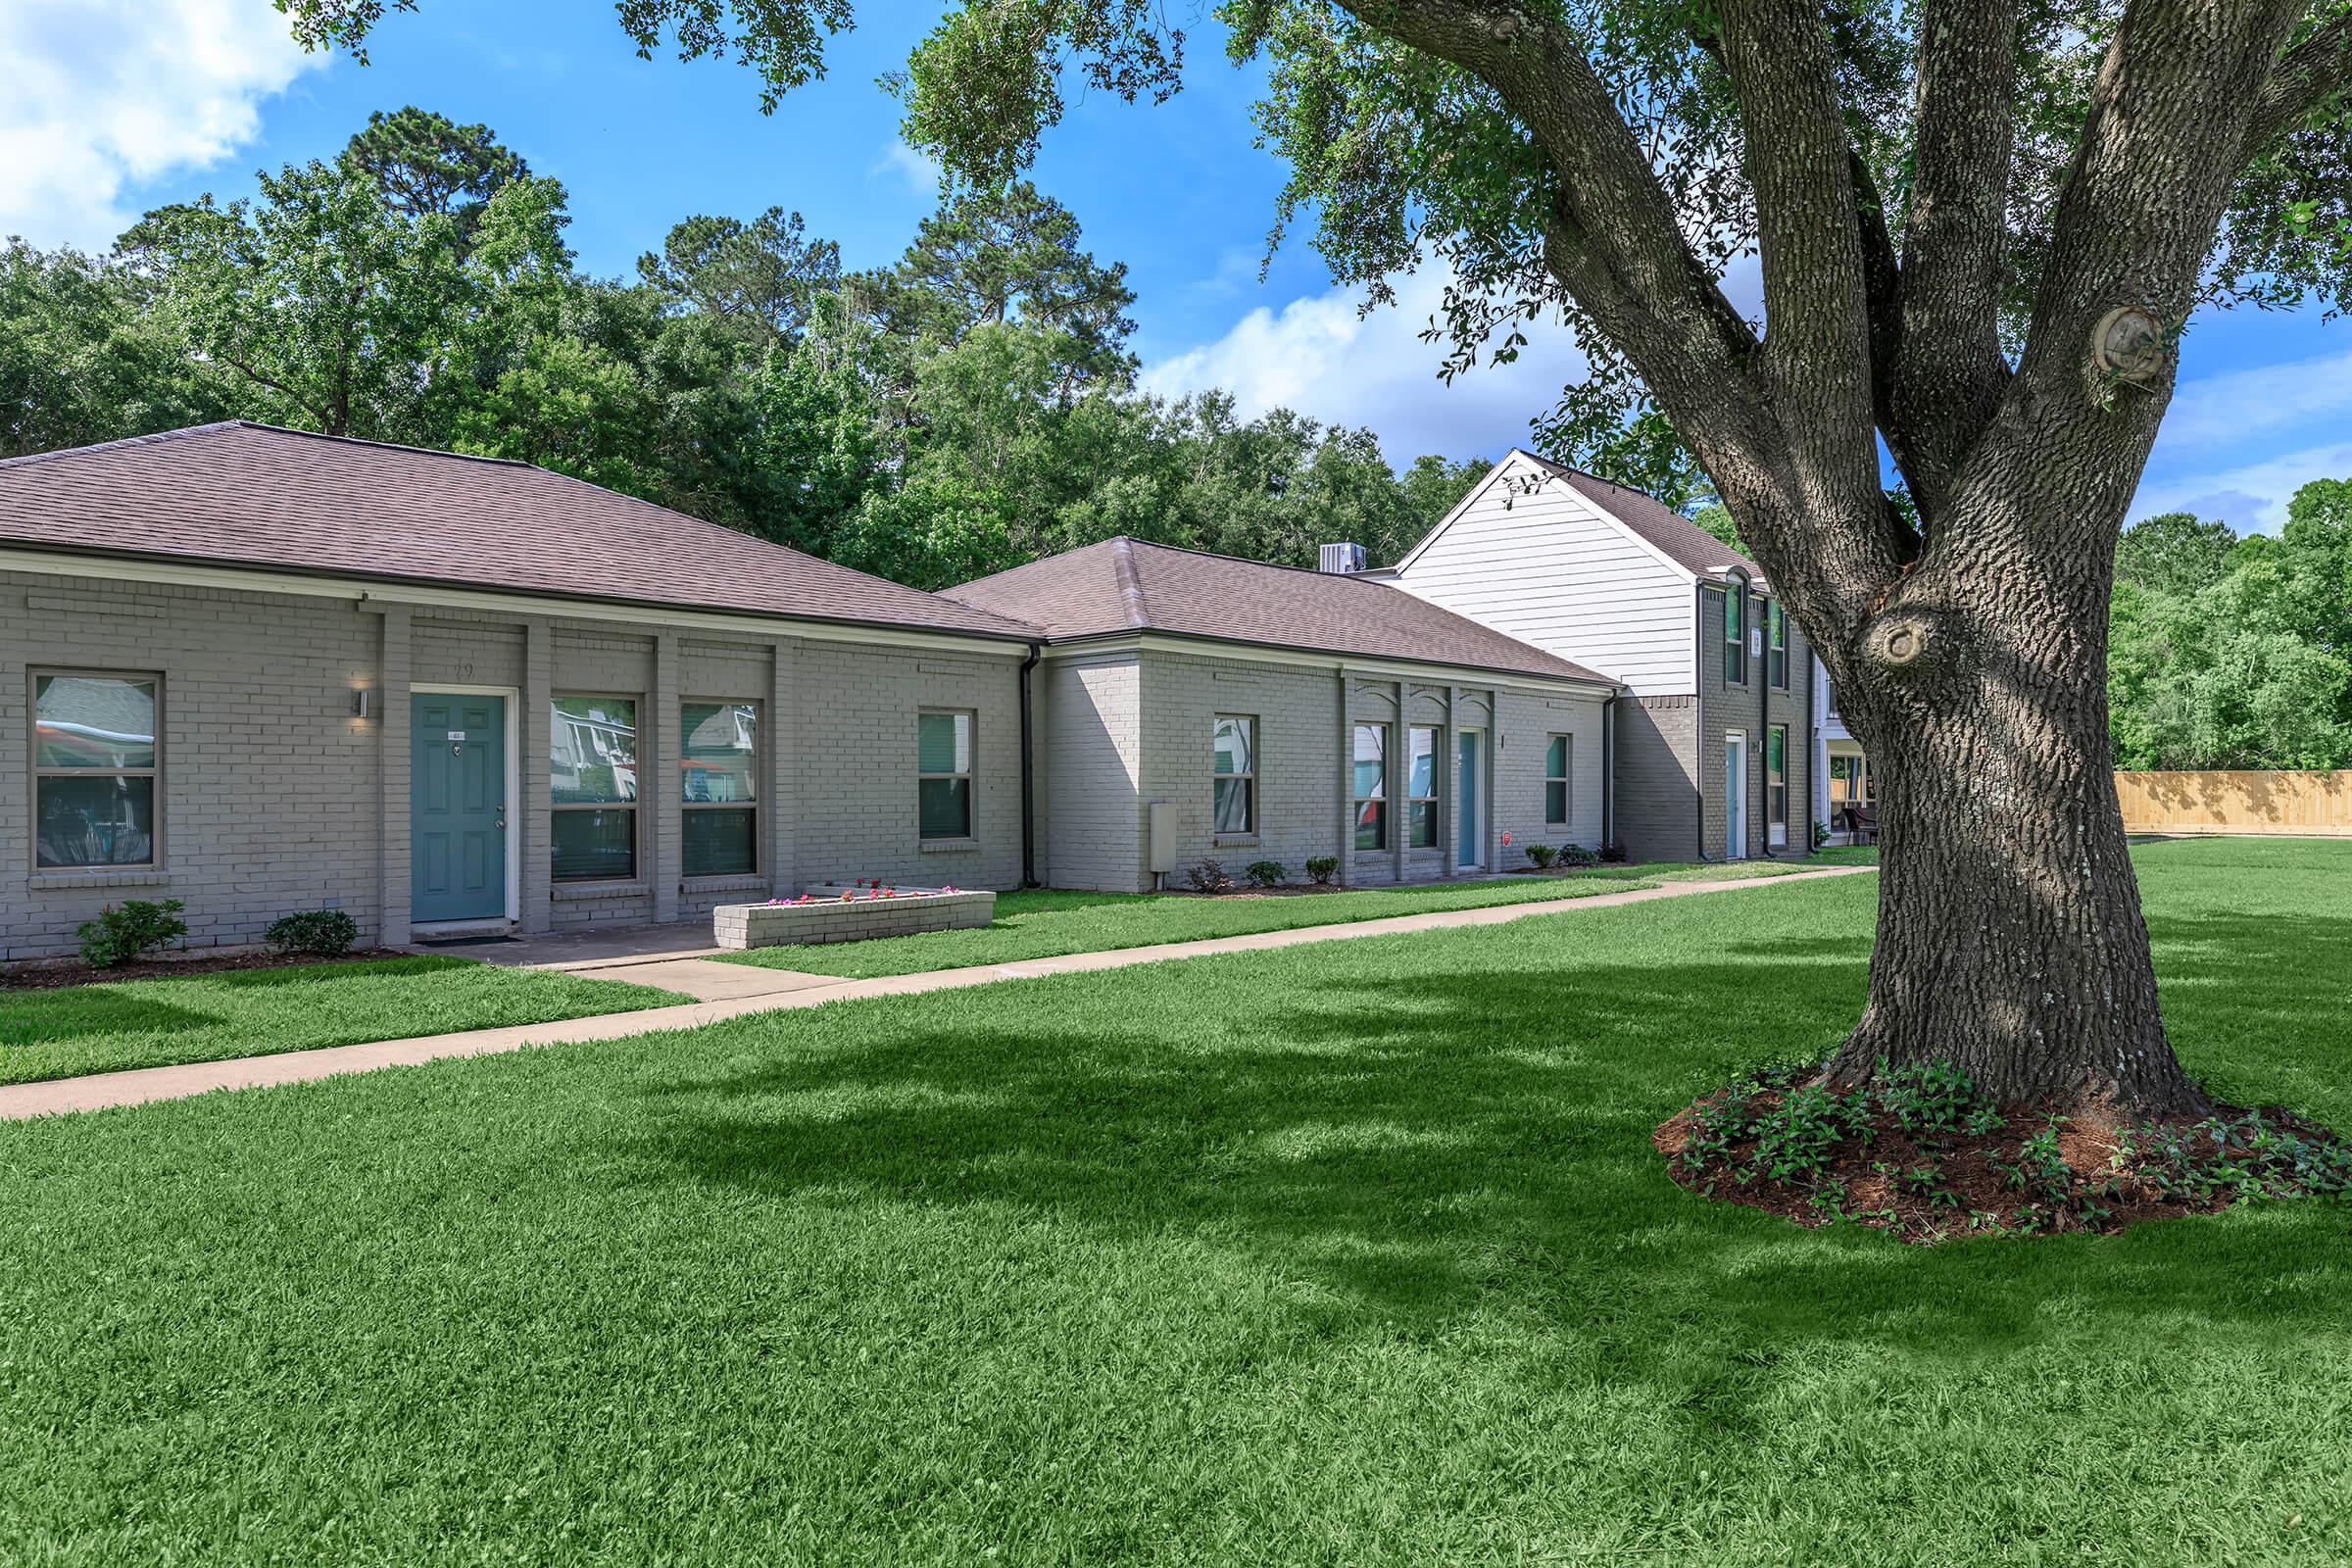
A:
830, 919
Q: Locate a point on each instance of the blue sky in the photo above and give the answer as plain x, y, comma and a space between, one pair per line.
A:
124, 104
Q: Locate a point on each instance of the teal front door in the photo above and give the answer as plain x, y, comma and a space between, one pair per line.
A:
457, 808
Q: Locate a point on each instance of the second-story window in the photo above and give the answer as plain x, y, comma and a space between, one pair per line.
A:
1735, 634
1776, 643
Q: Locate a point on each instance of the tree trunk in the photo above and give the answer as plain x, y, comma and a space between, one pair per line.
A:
2010, 941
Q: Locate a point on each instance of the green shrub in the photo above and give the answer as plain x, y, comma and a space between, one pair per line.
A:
1615, 853
327, 932
1577, 855
119, 935
1544, 856
1323, 867
1266, 874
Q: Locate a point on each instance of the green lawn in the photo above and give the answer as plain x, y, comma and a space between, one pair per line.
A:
255, 1012
1356, 1252
1047, 924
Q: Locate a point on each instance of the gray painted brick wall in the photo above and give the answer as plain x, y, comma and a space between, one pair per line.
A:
274, 798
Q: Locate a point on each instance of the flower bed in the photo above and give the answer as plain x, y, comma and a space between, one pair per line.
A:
841, 911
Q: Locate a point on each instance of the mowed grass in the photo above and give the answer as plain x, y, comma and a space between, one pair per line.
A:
253, 1013
1048, 923
1349, 1254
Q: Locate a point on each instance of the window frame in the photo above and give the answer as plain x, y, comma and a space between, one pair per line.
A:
1776, 783
1563, 778
1247, 777
1356, 732
34, 772
753, 806
634, 806
1735, 634
1420, 807
1776, 643
969, 775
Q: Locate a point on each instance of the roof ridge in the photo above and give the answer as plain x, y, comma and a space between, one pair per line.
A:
1247, 560
388, 446
24, 459
1130, 582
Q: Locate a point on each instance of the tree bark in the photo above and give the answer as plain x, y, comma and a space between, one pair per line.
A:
2010, 940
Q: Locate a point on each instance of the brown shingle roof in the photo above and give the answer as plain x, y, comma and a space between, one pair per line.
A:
1681, 540
1129, 585
258, 495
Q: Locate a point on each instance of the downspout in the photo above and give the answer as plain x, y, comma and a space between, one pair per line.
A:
1037, 651
1764, 730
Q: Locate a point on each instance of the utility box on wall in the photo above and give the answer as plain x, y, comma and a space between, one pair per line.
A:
1162, 837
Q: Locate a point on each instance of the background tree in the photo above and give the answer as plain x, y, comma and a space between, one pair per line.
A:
426, 164
1981, 226
756, 279
2175, 553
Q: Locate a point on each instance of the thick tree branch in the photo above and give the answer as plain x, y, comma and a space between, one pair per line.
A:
2308, 74
2161, 149
1949, 370
1818, 289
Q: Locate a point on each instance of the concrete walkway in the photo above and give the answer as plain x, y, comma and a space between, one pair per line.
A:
760, 991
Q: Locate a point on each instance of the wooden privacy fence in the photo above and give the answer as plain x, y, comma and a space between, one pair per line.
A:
2306, 804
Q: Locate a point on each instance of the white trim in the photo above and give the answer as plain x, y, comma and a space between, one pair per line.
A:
1350, 666
373, 593
512, 807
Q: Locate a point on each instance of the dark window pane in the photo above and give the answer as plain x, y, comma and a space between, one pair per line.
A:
94, 821
1233, 814
1555, 802
93, 721
943, 743
592, 750
719, 843
719, 752
591, 846
1555, 757
1425, 826
944, 808
1371, 824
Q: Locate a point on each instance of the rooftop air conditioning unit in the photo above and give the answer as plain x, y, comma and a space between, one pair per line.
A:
1343, 559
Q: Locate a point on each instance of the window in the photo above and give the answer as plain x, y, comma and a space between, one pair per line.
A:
1236, 782
1421, 788
95, 763
1556, 780
719, 782
1735, 635
1776, 642
943, 765
1371, 786
592, 787
1776, 782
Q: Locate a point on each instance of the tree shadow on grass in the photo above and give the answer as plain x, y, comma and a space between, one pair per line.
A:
1422, 1147
92, 1012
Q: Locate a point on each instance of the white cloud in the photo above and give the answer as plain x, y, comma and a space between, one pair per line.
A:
2252, 497
2220, 410
1320, 357
105, 94
920, 170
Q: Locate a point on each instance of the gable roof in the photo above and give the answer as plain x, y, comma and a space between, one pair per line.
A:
259, 495
1666, 533
1126, 585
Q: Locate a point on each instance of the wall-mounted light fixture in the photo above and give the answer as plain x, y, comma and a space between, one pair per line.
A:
359, 701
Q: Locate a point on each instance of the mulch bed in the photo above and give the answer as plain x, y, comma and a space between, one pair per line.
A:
1282, 890
2010, 1169
53, 974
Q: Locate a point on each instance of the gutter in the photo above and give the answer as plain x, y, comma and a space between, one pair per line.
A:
1037, 651
1608, 769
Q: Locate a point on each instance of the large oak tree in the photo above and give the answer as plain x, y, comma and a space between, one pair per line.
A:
1978, 229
